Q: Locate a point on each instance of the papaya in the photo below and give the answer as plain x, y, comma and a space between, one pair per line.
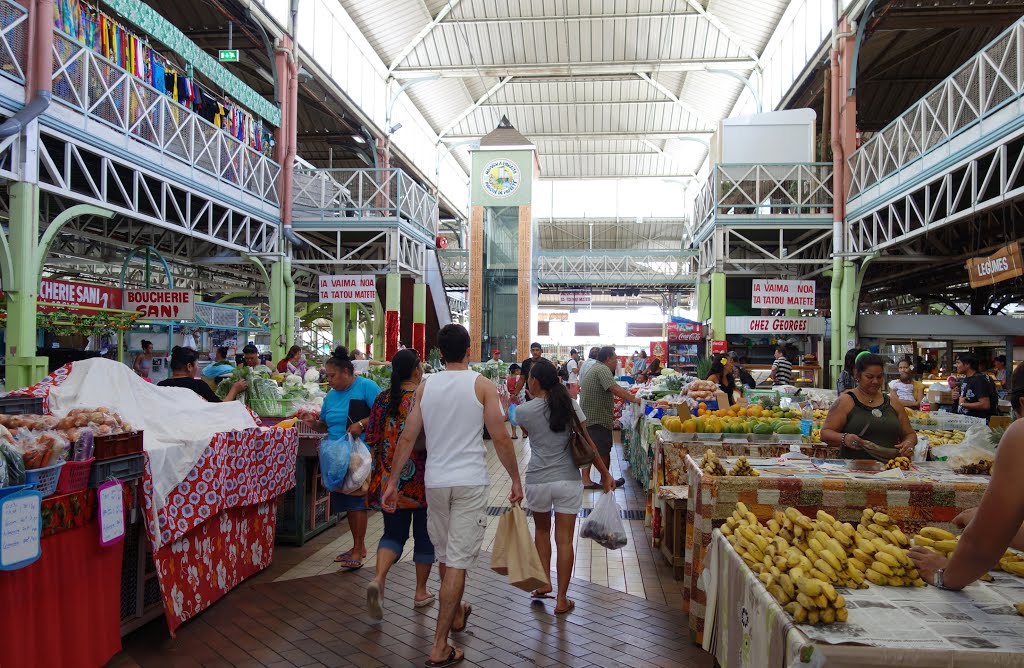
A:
788, 429
762, 429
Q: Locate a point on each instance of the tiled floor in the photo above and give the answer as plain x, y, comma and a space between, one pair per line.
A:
302, 611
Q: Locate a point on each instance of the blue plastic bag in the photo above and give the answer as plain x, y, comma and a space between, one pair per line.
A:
512, 415
335, 454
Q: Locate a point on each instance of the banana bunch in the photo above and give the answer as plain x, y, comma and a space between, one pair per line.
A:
712, 465
898, 463
742, 468
937, 540
881, 548
942, 436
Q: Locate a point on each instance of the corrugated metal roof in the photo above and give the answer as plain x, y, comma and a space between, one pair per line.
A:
600, 86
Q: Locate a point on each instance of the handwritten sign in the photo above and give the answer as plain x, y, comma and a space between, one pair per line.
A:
348, 289
769, 293
21, 525
162, 304
111, 512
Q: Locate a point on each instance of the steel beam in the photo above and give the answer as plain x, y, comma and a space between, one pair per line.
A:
577, 70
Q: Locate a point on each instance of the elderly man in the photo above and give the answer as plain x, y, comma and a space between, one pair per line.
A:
597, 399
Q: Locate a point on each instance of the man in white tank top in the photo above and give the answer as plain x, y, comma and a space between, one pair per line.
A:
451, 409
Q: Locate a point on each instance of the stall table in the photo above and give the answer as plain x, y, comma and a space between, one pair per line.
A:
933, 495
923, 627
305, 511
64, 608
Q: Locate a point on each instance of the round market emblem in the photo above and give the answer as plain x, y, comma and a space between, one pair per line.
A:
501, 178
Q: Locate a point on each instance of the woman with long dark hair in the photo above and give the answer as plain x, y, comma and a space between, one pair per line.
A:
346, 409
387, 421
846, 380
553, 480
722, 375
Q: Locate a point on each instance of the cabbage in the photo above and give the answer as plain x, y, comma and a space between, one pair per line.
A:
313, 389
292, 380
312, 376
260, 371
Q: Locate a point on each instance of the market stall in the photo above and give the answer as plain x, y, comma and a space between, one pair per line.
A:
211, 479
754, 339
885, 626
931, 493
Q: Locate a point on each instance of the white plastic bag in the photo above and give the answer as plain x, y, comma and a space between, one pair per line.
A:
359, 467
604, 526
974, 449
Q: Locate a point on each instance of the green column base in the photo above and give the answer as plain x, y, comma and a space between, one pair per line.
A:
25, 371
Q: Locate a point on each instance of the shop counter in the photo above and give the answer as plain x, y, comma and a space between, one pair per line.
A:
931, 495
64, 608
922, 627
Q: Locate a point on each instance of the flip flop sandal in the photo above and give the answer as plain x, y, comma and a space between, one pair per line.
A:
373, 601
593, 485
454, 657
344, 557
425, 602
534, 595
349, 565
572, 606
467, 610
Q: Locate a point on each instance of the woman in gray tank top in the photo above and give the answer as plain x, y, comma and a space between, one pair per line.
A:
865, 414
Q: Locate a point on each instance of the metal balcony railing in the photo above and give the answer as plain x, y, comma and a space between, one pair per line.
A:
454, 265
89, 83
337, 194
13, 40
792, 190
987, 82
587, 269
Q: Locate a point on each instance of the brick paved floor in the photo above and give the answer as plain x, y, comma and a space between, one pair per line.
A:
302, 611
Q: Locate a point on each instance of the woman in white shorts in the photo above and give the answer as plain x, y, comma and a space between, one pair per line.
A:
552, 479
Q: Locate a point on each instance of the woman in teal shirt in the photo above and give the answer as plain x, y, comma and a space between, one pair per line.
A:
346, 408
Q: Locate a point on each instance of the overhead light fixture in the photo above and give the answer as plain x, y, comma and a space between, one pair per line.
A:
358, 139
395, 128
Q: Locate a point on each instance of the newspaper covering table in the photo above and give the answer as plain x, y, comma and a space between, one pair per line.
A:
887, 626
932, 495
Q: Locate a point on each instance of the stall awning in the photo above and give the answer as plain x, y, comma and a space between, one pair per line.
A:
939, 327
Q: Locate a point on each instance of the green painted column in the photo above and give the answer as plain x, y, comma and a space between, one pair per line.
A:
24, 368
392, 319
419, 318
848, 300
353, 326
375, 330
289, 305
278, 311
838, 342
703, 301
718, 305
339, 325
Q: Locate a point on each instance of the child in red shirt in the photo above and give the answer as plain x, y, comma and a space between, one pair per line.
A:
513, 398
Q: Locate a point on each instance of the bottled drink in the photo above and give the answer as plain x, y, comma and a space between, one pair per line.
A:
807, 421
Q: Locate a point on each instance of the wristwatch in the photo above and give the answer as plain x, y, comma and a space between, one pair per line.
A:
937, 579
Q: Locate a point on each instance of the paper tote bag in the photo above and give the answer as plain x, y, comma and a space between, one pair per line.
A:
515, 553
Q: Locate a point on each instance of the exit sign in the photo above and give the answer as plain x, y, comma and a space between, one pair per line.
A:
229, 55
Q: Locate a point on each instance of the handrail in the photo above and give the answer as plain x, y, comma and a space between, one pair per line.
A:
601, 269
977, 89
779, 189
93, 85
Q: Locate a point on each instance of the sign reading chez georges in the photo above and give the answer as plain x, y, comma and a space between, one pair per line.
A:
500, 178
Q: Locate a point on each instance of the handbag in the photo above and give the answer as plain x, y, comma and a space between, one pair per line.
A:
579, 444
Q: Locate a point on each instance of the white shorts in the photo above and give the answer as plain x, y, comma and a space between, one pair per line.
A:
564, 496
456, 521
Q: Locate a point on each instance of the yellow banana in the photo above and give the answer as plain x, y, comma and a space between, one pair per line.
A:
866, 546
842, 615
857, 565
742, 508
816, 545
839, 602
779, 594
923, 542
813, 617
881, 518
831, 561
828, 616
829, 591
819, 575
901, 538
887, 559
843, 539
875, 577
787, 585
766, 579
936, 533
808, 586
881, 568
821, 602
806, 601
945, 546
825, 517
796, 611
826, 568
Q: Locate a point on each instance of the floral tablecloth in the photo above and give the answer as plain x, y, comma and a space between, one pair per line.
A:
932, 497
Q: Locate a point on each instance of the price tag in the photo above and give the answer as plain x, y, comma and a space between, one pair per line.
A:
21, 525
111, 512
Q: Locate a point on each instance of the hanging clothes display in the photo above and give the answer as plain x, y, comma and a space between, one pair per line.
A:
88, 25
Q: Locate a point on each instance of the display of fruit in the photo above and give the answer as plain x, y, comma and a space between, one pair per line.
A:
983, 467
942, 436
898, 463
711, 464
1019, 607
742, 468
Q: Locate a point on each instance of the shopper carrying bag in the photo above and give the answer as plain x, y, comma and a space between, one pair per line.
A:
515, 553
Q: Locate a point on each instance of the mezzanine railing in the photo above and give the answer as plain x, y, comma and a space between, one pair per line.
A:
612, 269
92, 85
790, 190
986, 83
363, 194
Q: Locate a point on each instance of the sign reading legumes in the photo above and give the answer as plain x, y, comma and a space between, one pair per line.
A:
768, 293
348, 289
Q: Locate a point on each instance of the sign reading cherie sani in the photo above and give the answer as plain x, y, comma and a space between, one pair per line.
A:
1002, 265
161, 304
348, 289
52, 291
782, 294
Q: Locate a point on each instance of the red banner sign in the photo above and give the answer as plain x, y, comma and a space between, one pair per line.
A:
52, 291
719, 346
659, 349
685, 332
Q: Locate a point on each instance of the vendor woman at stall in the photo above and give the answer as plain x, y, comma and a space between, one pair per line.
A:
721, 374
997, 523
184, 365
865, 414
346, 408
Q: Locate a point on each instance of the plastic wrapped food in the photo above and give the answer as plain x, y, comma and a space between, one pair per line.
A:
360, 464
604, 526
14, 465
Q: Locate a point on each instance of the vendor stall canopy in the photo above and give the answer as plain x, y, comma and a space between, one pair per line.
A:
604, 88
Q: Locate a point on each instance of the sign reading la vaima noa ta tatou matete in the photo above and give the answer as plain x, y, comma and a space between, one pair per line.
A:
348, 289
770, 293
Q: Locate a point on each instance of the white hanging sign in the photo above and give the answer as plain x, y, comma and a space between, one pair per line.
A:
575, 298
348, 289
110, 496
21, 526
774, 325
768, 293
162, 304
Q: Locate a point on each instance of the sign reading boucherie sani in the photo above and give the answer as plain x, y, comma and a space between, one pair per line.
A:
769, 293
161, 304
348, 289
774, 325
